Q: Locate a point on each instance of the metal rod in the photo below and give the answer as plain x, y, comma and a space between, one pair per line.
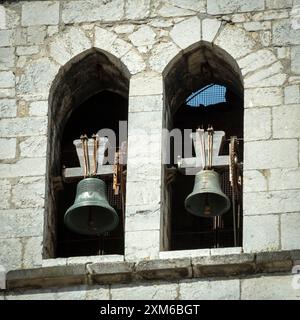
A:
82, 138
95, 138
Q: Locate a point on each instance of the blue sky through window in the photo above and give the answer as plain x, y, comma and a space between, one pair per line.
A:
210, 94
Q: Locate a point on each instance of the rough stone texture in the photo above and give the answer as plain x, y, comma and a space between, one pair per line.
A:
7, 79
271, 154
284, 33
261, 233
256, 180
146, 84
144, 36
40, 12
290, 224
145, 103
91, 10
98, 293
295, 58
68, 45
142, 244
137, 9
20, 168
236, 41
33, 147
5, 188
262, 128
134, 62
28, 126
284, 179
7, 148
186, 32
8, 108
285, 122
37, 78
161, 55
160, 291
269, 288
24, 51
271, 202
292, 94
269, 76
21, 223
6, 58
35, 35
184, 253
29, 192
11, 253
210, 28
38, 108
209, 290
263, 97
33, 248
6, 38
222, 7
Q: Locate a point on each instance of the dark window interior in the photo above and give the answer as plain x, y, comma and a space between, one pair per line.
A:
103, 110
189, 231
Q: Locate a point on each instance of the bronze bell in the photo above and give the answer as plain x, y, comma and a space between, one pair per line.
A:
91, 213
207, 198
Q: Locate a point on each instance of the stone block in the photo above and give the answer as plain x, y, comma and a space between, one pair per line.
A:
35, 35
37, 78
37, 294
290, 237
10, 253
295, 59
225, 251
256, 60
8, 108
209, 289
27, 51
186, 32
257, 26
161, 55
133, 61
33, 147
145, 217
7, 58
7, 93
169, 10
284, 179
261, 233
8, 148
5, 188
280, 261
38, 108
97, 293
270, 76
153, 291
184, 253
27, 126
236, 41
7, 79
137, 9
142, 245
145, 103
21, 223
69, 44
29, 192
143, 36
263, 97
21, 168
284, 33
286, 121
40, 12
33, 249
269, 288
256, 180
71, 293
279, 4
146, 84
143, 192
6, 38
257, 125
210, 28
92, 10
271, 154
292, 94
271, 202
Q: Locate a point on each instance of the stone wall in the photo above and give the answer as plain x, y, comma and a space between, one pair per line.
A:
146, 35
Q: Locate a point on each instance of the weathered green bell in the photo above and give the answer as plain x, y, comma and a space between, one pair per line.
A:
91, 213
207, 198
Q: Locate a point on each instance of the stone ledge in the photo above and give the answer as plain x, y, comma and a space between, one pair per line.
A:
160, 269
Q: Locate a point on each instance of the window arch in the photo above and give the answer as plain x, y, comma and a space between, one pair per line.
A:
203, 87
88, 94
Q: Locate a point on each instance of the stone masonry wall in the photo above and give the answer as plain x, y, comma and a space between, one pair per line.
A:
37, 38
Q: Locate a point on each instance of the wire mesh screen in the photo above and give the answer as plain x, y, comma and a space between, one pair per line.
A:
208, 95
114, 200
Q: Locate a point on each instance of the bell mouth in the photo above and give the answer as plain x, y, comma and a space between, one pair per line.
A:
91, 219
207, 204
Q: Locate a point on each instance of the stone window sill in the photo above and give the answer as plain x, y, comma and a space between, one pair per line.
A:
105, 272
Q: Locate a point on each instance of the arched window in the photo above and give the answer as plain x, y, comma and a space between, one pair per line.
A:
203, 87
89, 93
